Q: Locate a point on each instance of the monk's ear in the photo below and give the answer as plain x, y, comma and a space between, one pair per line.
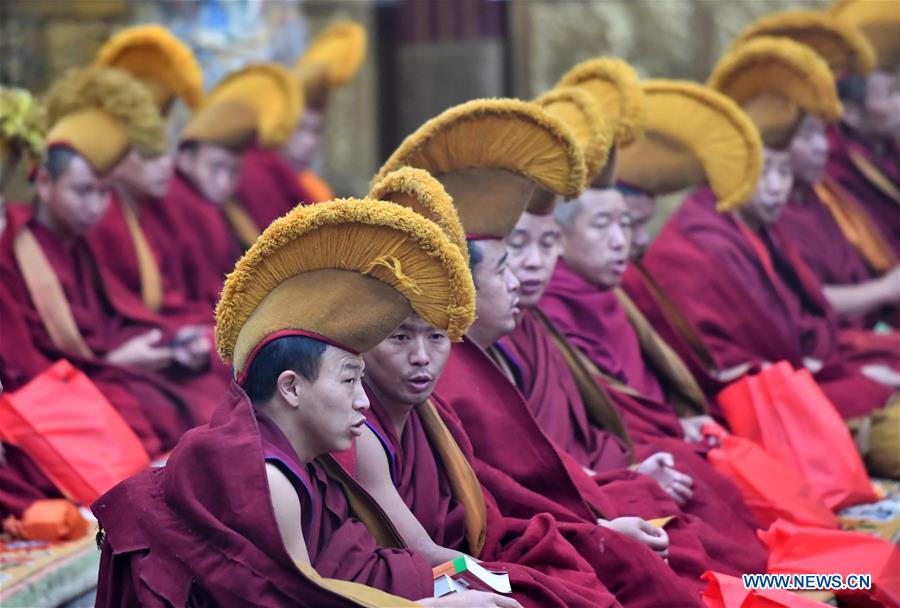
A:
43, 183
289, 387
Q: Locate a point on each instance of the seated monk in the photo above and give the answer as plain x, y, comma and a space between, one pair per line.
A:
473, 390
760, 301
864, 150
411, 461
268, 186
143, 238
208, 162
250, 509
330, 61
155, 371
820, 210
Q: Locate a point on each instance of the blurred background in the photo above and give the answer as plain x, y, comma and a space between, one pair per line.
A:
424, 55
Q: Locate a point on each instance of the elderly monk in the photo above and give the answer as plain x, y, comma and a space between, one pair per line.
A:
821, 212
761, 302
155, 371
414, 459
143, 238
249, 508
330, 62
865, 146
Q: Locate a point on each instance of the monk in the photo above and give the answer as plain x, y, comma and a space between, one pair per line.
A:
208, 165
155, 371
854, 290
330, 61
863, 147
142, 238
249, 508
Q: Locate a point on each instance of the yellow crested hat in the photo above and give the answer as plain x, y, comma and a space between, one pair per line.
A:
615, 85
692, 135
228, 123
22, 124
840, 44
418, 190
331, 60
153, 55
879, 21
101, 113
489, 154
269, 90
346, 272
776, 81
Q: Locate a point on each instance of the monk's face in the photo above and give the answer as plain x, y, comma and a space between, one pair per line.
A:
145, 177
809, 151
214, 171
405, 367
75, 201
882, 108
772, 189
534, 247
304, 143
641, 207
497, 303
329, 410
597, 244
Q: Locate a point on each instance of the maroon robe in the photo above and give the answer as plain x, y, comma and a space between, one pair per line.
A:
544, 569
268, 187
213, 248
166, 230
716, 506
159, 406
202, 529
884, 211
574, 553
812, 231
748, 310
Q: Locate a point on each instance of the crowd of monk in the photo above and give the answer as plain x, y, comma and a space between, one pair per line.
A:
485, 355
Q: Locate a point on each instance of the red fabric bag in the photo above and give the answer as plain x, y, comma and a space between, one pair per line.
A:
803, 550
786, 413
72, 432
726, 591
784, 495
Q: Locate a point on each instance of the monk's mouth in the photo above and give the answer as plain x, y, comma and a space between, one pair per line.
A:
420, 383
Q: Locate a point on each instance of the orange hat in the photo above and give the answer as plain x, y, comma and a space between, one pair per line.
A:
102, 113
271, 92
157, 58
489, 154
879, 21
331, 60
776, 81
229, 123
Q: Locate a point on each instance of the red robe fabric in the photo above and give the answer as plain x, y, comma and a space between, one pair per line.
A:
202, 529
884, 211
544, 569
716, 506
646, 293
213, 248
168, 233
269, 187
746, 312
159, 406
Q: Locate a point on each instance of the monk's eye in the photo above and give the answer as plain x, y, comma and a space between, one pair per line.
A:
400, 337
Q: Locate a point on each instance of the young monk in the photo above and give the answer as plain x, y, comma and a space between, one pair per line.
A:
155, 371
761, 302
249, 509
821, 211
330, 61
864, 151
410, 460
143, 237
208, 163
